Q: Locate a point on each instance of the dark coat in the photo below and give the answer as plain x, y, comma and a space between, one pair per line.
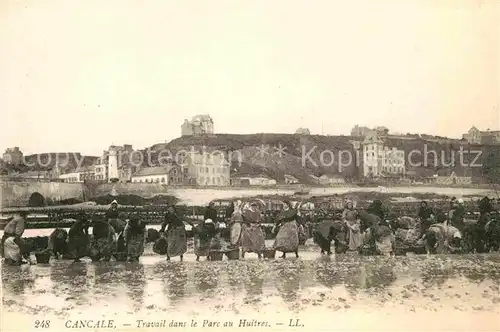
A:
210, 213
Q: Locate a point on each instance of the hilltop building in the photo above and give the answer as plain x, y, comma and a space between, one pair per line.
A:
13, 156
476, 136
303, 131
359, 131
199, 125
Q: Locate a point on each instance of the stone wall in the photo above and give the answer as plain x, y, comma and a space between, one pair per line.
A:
14, 194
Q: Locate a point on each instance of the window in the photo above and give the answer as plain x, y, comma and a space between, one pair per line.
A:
157, 180
163, 180
171, 179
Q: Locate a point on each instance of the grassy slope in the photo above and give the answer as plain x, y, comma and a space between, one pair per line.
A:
248, 160
294, 144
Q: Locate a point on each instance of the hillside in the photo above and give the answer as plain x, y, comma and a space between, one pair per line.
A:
247, 159
68, 161
300, 157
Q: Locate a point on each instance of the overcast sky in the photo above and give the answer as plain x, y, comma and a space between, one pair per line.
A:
81, 75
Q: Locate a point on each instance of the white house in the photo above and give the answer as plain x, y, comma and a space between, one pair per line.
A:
453, 179
393, 161
253, 180
70, 177
168, 175
314, 179
331, 179
290, 179
373, 148
80, 175
207, 169
380, 160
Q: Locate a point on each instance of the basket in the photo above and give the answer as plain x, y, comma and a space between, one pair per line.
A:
233, 254
269, 253
215, 255
42, 257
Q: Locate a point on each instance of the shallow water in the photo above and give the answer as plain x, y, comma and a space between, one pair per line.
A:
420, 292
201, 196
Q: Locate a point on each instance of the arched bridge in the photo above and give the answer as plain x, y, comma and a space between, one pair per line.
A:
13, 193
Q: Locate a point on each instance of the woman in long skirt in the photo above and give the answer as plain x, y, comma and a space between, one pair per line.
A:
354, 236
203, 234
176, 234
134, 234
252, 238
287, 239
78, 238
235, 224
113, 218
103, 241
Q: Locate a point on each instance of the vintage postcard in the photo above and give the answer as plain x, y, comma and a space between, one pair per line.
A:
250, 165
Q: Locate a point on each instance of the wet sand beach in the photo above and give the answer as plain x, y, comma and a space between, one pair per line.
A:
343, 293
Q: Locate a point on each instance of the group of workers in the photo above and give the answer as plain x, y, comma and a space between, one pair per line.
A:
112, 236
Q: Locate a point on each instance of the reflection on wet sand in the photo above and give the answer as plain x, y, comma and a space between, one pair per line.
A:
71, 280
135, 280
152, 287
325, 274
206, 277
234, 270
288, 279
17, 279
176, 279
253, 279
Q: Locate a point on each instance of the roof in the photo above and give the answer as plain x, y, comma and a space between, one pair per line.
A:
149, 171
85, 169
201, 117
253, 176
372, 138
207, 159
32, 174
327, 176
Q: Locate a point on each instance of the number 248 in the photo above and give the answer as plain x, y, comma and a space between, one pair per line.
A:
42, 324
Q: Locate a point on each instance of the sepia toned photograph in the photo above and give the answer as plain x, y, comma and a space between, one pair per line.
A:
250, 165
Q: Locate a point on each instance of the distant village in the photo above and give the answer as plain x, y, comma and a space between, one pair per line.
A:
114, 165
